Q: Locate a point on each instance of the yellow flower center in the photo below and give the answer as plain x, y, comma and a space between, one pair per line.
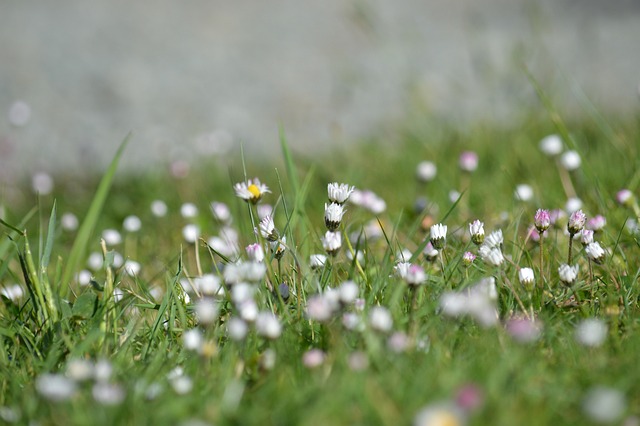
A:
254, 190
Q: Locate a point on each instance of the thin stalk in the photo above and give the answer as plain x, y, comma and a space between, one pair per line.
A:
570, 249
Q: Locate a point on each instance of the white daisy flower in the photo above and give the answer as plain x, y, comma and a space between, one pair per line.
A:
251, 191
339, 192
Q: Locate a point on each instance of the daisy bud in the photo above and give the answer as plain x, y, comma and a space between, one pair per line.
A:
570, 160
586, 237
576, 222
551, 145
476, 229
468, 161
595, 252
468, 258
542, 220
525, 275
339, 193
333, 215
251, 191
430, 252
438, 235
331, 242
426, 171
568, 274
268, 230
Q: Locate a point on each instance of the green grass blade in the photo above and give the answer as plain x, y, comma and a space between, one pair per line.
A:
86, 229
46, 255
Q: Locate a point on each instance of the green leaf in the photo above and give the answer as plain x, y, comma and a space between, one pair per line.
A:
44, 262
79, 247
85, 305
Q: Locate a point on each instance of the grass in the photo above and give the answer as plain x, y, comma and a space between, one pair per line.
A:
136, 323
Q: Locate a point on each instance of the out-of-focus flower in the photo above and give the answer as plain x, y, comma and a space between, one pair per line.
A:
625, 197
55, 387
193, 340
220, 212
80, 369
332, 242
551, 145
438, 235
255, 253
237, 328
591, 332
42, 183
188, 210
159, 208
191, 233
268, 325
132, 223
251, 190
468, 161
279, 247
568, 273
597, 222
320, 308
570, 160
440, 414
478, 301
398, 342
426, 171
368, 200
111, 237
380, 319
207, 310
339, 192
12, 292
348, 291
415, 275
524, 330
430, 252
313, 358
573, 204
604, 404
108, 393
69, 222
523, 192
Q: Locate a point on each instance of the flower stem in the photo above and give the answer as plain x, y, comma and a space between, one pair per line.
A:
570, 248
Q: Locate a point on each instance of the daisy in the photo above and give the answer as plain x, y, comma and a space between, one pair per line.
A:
333, 215
251, 191
339, 192
438, 235
476, 229
332, 242
267, 229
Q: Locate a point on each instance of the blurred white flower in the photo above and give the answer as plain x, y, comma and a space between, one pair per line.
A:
159, 208
380, 319
313, 358
69, 222
188, 210
42, 183
591, 332
191, 233
108, 393
570, 160
55, 387
524, 192
551, 145
268, 325
111, 237
132, 223
237, 328
193, 340
604, 404
426, 171
12, 292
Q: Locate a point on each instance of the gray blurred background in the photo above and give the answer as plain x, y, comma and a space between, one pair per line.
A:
194, 78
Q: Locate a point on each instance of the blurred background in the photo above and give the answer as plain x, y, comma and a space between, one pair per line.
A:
196, 78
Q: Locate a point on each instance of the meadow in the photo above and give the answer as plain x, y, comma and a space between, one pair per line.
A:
429, 276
